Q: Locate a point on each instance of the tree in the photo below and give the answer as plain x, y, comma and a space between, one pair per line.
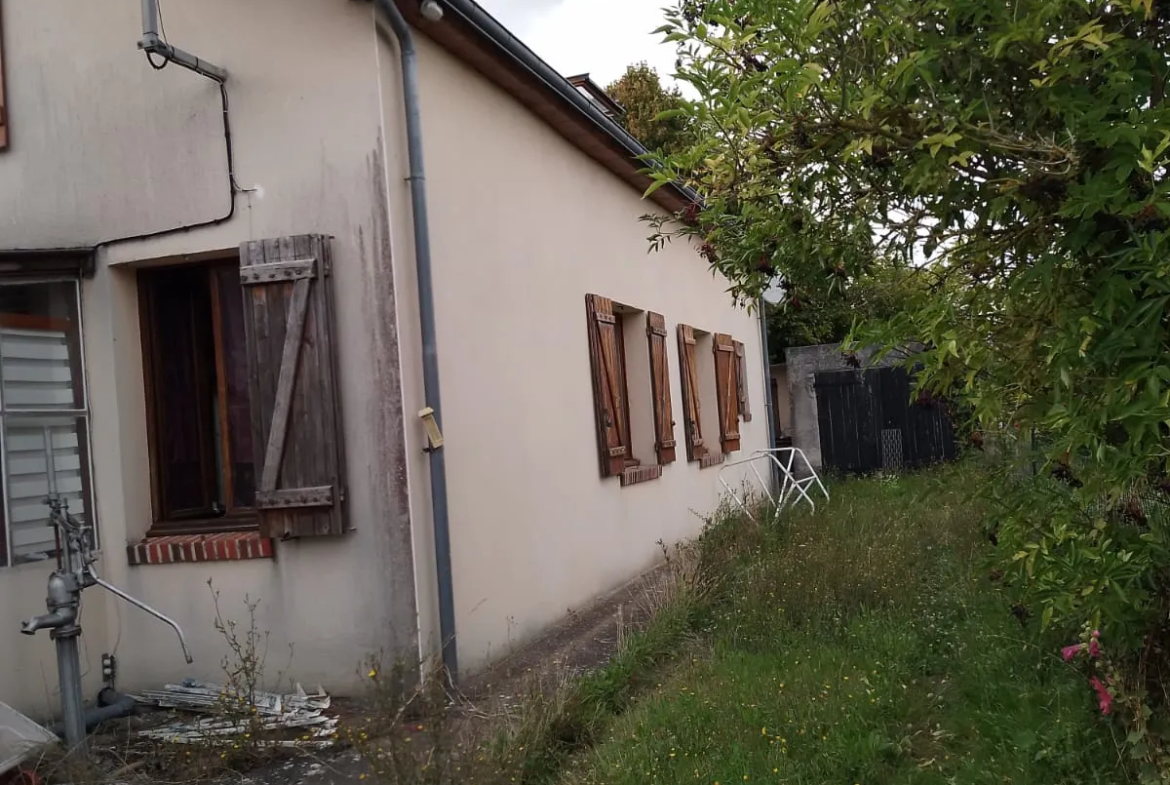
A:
1014, 151
1015, 154
826, 310
640, 91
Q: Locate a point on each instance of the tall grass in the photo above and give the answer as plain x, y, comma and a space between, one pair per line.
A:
863, 644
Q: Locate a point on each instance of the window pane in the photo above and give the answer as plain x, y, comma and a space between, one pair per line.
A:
40, 365
43, 456
184, 378
235, 367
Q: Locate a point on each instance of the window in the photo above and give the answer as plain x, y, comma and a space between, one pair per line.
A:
712, 391
202, 469
631, 393
741, 382
45, 415
245, 424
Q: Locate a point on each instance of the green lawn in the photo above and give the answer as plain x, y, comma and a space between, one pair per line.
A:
864, 644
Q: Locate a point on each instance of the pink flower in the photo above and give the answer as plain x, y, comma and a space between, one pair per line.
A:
1094, 648
1068, 652
1104, 699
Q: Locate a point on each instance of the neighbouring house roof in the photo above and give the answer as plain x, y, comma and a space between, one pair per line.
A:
594, 92
471, 34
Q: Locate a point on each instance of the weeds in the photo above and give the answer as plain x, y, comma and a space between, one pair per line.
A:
118, 752
862, 644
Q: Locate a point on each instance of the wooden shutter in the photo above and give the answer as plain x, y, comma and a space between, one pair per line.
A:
692, 423
741, 384
608, 390
292, 382
725, 391
660, 388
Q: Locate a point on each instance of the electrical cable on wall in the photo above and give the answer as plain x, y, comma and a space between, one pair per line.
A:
154, 43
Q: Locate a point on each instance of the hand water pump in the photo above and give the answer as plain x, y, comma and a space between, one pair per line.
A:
74, 573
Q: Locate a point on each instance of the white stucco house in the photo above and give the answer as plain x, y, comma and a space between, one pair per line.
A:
229, 295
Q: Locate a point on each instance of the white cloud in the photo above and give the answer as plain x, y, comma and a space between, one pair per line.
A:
599, 37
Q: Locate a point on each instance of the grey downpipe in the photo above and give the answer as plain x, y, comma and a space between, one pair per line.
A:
152, 45
426, 309
111, 706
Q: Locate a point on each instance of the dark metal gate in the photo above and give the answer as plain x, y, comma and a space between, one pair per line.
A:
868, 421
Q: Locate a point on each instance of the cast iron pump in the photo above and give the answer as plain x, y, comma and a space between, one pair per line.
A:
74, 573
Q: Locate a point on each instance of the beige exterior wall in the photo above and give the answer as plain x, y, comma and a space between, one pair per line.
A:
102, 146
523, 226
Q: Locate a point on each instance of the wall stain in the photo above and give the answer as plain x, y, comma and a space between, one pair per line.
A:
385, 410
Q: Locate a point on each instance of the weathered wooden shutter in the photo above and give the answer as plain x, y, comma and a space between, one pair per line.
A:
608, 390
741, 384
292, 382
692, 424
660, 388
725, 391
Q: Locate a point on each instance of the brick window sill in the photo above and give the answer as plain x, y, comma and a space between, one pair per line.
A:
636, 474
194, 548
711, 459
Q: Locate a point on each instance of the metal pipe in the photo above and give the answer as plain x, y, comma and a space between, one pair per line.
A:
149, 19
152, 44
426, 309
69, 674
174, 625
111, 706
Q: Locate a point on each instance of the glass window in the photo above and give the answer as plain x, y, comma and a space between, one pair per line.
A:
197, 390
44, 412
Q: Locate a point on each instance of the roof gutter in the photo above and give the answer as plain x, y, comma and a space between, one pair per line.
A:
489, 28
426, 308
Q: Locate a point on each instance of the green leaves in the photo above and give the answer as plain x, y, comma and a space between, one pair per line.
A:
654, 115
1015, 155
1011, 162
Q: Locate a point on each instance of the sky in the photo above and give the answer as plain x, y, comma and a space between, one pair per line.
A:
598, 37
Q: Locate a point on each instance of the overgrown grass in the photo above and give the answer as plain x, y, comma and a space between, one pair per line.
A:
864, 644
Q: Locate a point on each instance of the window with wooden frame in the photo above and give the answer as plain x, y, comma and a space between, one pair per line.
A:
631, 390
200, 429
741, 382
244, 417
711, 374
45, 412
691, 393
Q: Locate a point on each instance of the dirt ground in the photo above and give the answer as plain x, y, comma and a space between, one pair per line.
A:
584, 640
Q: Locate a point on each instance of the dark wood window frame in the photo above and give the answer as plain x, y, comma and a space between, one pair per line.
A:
609, 369
623, 380
214, 444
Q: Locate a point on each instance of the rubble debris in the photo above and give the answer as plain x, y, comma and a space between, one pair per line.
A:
265, 711
20, 737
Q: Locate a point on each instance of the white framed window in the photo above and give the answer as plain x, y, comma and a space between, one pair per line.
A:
44, 415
